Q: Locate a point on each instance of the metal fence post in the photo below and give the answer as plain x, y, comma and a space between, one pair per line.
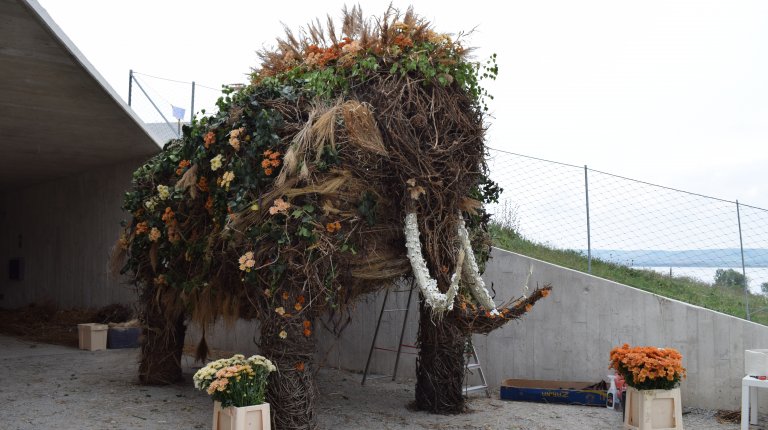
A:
192, 110
589, 239
743, 267
130, 85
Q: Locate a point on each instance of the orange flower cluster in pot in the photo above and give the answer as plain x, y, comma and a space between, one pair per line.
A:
648, 367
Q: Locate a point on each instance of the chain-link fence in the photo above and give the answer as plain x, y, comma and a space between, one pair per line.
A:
609, 218
166, 104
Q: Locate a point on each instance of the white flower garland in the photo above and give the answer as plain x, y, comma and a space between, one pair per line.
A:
438, 301
472, 273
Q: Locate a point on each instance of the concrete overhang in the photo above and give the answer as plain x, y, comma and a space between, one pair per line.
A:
58, 116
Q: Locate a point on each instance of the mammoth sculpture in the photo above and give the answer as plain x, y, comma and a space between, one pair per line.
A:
348, 162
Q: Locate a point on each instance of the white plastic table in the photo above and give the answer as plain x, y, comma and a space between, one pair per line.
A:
749, 388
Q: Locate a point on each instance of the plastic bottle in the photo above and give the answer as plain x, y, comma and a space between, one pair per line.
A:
612, 400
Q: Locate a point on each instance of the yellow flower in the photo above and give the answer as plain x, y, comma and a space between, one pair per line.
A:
255, 207
216, 162
280, 311
226, 179
163, 192
283, 334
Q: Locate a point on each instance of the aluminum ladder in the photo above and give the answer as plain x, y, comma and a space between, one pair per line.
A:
400, 344
472, 363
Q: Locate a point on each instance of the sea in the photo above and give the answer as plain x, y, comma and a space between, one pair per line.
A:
756, 276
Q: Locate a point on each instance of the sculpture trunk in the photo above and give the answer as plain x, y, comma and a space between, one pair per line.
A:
440, 364
291, 389
162, 346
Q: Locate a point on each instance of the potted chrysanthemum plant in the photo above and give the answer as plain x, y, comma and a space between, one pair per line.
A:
653, 376
238, 387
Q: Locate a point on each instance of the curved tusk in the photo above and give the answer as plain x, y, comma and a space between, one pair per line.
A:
438, 301
465, 270
472, 274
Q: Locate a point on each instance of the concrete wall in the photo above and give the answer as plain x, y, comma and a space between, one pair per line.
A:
566, 336
63, 231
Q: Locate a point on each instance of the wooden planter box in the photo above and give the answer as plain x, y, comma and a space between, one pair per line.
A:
92, 336
243, 418
653, 410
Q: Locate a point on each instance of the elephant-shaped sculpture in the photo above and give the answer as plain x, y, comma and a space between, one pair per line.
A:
348, 162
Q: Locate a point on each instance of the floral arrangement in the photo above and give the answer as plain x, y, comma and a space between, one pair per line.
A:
236, 381
648, 367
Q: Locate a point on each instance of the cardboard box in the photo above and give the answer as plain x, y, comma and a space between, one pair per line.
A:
565, 392
123, 337
92, 336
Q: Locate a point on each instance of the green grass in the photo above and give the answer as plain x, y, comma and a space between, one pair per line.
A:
728, 300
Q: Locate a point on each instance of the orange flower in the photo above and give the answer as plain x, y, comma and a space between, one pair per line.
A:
307, 324
142, 227
168, 215
279, 206
285, 295
528, 307
183, 164
301, 299
544, 293
209, 139
307, 332
209, 205
299, 366
648, 367
403, 41
271, 159
333, 227
297, 306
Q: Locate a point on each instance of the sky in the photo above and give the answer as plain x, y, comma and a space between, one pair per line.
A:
670, 92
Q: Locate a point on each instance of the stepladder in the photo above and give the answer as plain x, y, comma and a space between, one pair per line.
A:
474, 371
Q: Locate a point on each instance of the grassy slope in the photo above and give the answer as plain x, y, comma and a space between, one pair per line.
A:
727, 300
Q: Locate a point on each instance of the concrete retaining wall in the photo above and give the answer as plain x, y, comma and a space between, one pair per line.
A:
566, 336
63, 231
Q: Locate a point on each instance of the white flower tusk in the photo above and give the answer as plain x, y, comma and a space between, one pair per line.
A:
438, 301
472, 273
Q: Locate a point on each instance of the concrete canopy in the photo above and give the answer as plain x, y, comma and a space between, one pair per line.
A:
58, 116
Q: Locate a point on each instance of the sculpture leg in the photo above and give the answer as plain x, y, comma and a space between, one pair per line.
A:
440, 365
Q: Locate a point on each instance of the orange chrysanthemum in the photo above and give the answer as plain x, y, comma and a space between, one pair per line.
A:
142, 227
647, 367
209, 139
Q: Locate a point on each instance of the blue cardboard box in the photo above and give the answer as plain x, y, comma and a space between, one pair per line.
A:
123, 337
565, 392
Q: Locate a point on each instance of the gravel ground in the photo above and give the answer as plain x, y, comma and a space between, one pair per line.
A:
49, 386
